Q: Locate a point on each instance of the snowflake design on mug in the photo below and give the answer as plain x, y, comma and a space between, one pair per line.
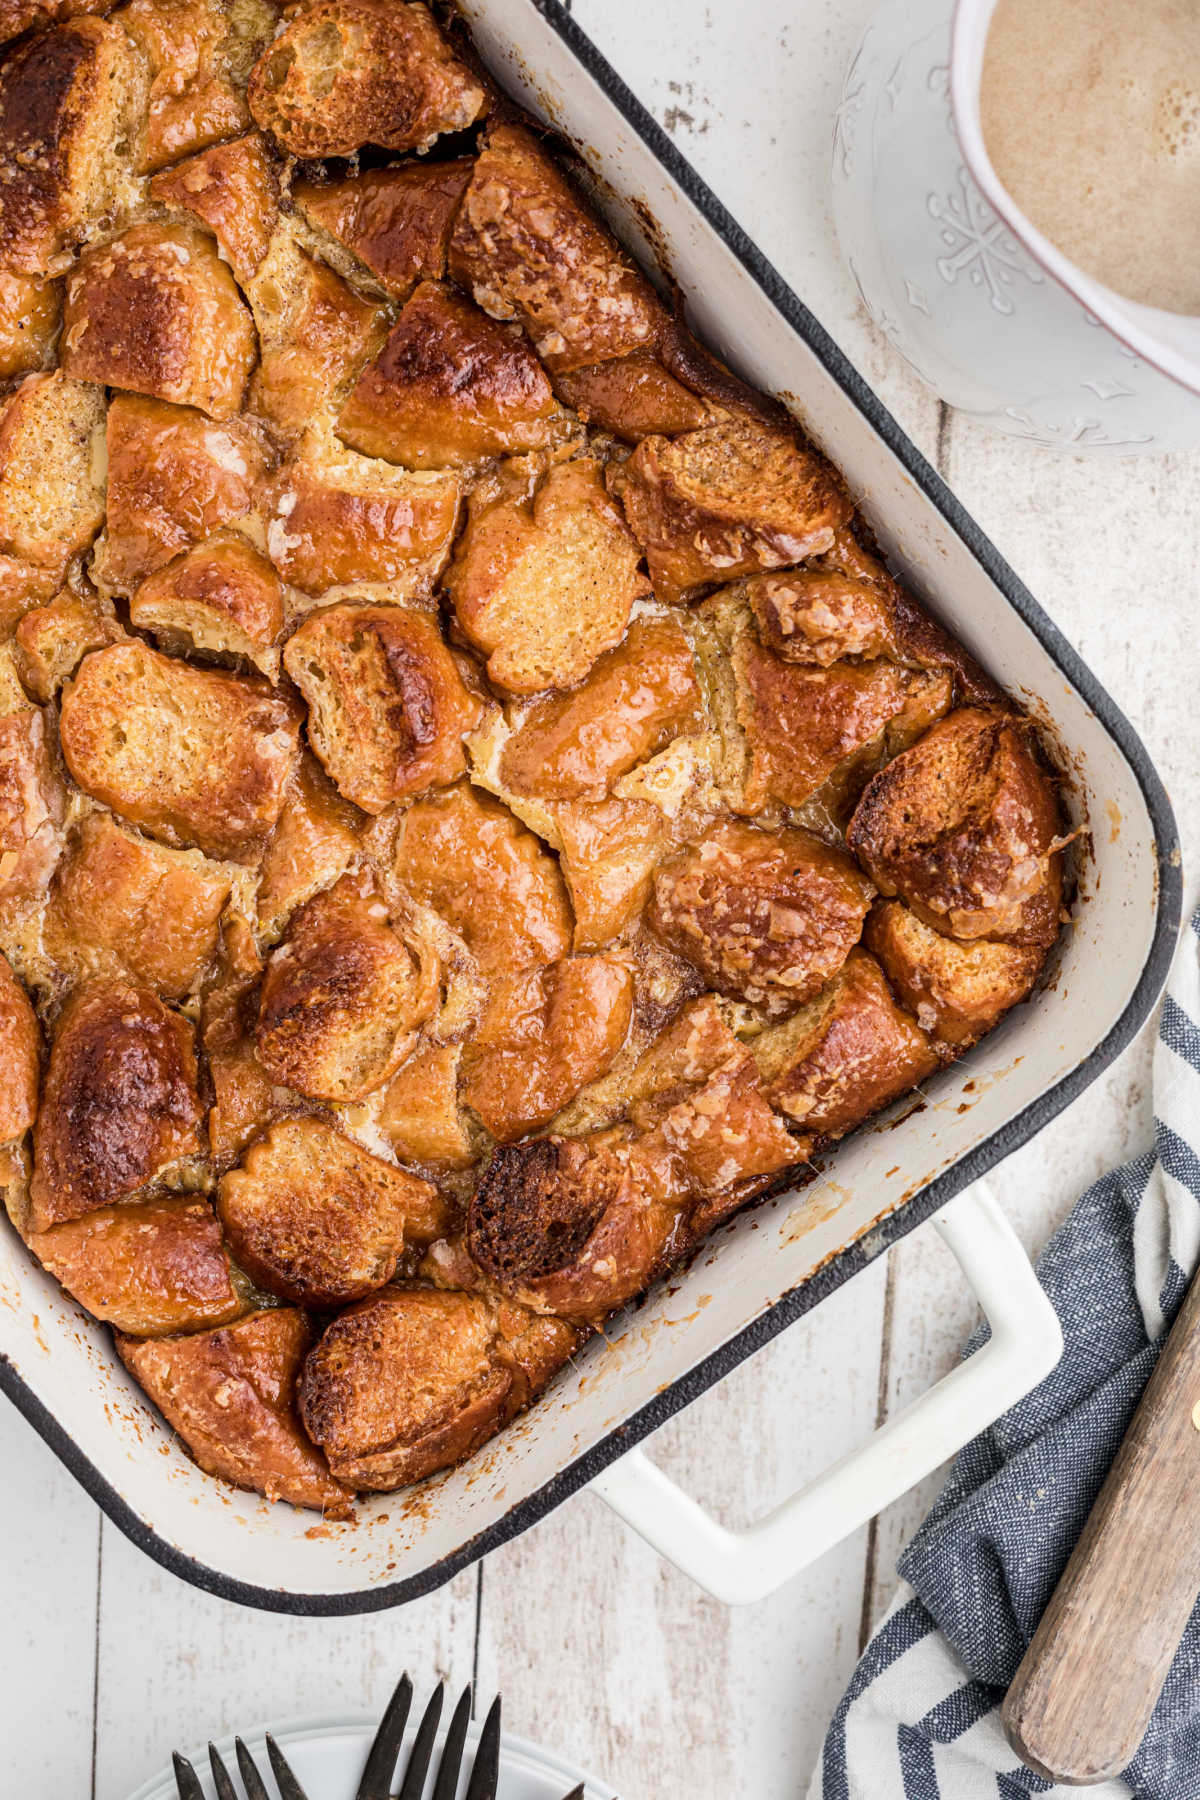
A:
978, 245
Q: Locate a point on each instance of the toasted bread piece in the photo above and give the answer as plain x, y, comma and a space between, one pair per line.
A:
195, 756
450, 389
173, 479
414, 1380
52, 640
337, 519
19, 16
388, 708
766, 916
119, 1107
199, 54
245, 1099
149, 1267
51, 470
732, 498
420, 1115
318, 1220
32, 807
633, 397
233, 189
464, 854
315, 841
637, 696
966, 827
395, 221
231, 1396
343, 996
121, 905
222, 597
609, 851
529, 248
544, 1035
956, 992
22, 586
156, 311
847, 1053
29, 313
315, 340
20, 1057
545, 577
70, 100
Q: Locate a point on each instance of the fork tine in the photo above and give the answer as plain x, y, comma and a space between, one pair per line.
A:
289, 1787
422, 1750
452, 1750
220, 1774
385, 1746
485, 1776
186, 1779
256, 1787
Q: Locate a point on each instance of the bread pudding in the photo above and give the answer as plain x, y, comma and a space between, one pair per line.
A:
475, 810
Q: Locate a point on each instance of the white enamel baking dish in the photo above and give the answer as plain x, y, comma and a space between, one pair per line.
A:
769, 1267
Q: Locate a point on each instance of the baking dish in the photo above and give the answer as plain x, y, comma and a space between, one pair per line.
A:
794, 1249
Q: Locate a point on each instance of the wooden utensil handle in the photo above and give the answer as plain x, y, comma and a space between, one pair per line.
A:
1082, 1698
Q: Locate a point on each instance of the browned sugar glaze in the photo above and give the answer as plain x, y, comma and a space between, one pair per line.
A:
473, 811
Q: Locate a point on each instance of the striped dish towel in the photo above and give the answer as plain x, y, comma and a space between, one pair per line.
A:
920, 1719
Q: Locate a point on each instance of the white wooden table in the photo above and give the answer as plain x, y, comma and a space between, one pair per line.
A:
106, 1661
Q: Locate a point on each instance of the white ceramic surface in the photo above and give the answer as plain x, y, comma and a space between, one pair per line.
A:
978, 312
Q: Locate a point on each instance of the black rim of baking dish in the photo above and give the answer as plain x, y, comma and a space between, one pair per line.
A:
913, 1212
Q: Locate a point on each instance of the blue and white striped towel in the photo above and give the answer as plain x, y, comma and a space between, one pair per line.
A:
920, 1719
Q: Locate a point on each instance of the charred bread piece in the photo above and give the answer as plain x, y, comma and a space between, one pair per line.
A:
955, 991
222, 598
414, 1380
149, 1267
52, 640
197, 757
546, 575
420, 1115
727, 500
636, 697
318, 1220
70, 101
633, 397
199, 54
450, 389
32, 807
51, 471
528, 248
850, 1051
120, 1108
174, 478
156, 312
317, 838
966, 827
388, 707
122, 905
233, 189
20, 1057
315, 337
464, 854
395, 221
545, 1034
765, 916
231, 1396
343, 995
336, 519
29, 314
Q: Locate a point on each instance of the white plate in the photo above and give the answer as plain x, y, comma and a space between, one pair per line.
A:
328, 1755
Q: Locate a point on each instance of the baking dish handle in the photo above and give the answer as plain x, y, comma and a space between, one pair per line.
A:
741, 1566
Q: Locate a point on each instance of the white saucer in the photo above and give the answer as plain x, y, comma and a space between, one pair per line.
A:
328, 1755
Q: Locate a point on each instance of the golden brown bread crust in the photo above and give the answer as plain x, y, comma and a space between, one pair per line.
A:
315, 841
420, 1115
318, 1220
51, 471
149, 1267
388, 709
51, 641
312, 345
413, 1380
19, 16
344, 73
156, 311
450, 388
31, 807
955, 991
199, 54
395, 221
221, 596
528, 248
245, 1099
230, 1394
20, 1057
966, 827
195, 756
29, 314
633, 397
234, 190
609, 850
119, 1106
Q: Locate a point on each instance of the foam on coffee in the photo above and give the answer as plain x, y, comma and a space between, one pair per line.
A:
1091, 116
